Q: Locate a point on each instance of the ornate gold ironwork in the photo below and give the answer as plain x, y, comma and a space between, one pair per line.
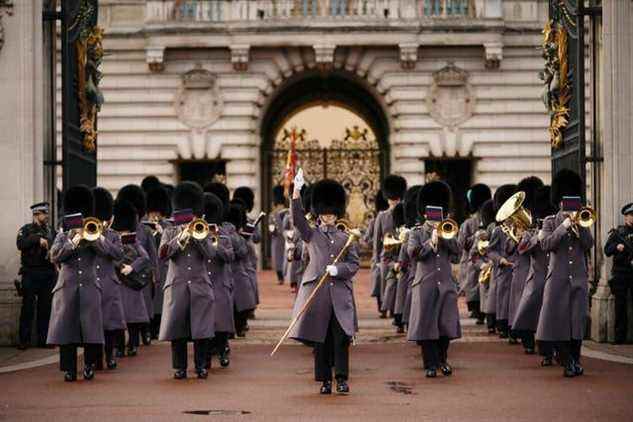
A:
555, 76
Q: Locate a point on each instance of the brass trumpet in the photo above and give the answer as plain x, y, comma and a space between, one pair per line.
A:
395, 240
584, 217
485, 274
199, 229
513, 217
447, 229
92, 229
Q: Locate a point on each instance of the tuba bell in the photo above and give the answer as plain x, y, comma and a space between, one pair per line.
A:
92, 229
514, 217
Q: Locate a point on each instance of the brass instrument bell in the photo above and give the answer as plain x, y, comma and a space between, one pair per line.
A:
447, 229
513, 216
92, 229
485, 274
585, 217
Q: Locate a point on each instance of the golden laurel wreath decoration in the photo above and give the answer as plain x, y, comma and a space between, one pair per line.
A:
555, 76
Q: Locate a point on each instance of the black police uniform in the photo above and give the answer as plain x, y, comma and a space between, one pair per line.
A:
621, 281
38, 279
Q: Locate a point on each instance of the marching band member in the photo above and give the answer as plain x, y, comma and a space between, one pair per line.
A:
247, 196
111, 296
137, 197
499, 291
393, 189
296, 255
620, 246
158, 212
527, 312
219, 270
134, 304
434, 317
391, 255
469, 285
330, 323
406, 263
480, 269
529, 186
564, 312
76, 317
188, 307
275, 229
380, 204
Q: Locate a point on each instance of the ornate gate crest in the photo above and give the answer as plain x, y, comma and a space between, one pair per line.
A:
198, 101
450, 100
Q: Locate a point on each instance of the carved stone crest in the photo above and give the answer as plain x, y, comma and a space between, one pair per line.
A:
450, 100
198, 101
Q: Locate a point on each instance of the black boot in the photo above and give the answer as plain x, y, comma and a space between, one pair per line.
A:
180, 374
569, 371
203, 374
547, 361
342, 387
446, 369
146, 336
111, 364
326, 387
224, 357
70, 376
89, 372
431, 372
578, 369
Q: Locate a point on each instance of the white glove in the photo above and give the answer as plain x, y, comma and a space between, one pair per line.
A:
299, 181
434, 237
567, 223
332, 270
76, 239
271, 228
541, 235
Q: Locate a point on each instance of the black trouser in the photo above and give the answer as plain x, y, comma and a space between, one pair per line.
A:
502, 326
68, 356
333, 353
155, 330
134, 331
620, 292
179, 353
241, 320
217, 346
491, 321
280, 277
569, 351
434, 352
37, 288
474, 307
111, 340
546, 348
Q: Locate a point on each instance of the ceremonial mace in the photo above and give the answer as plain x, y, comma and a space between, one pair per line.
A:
322, 280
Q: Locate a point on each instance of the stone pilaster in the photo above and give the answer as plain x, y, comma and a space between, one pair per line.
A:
616, 144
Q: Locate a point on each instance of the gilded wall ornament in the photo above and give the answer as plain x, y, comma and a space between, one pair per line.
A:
198, 102
450, 100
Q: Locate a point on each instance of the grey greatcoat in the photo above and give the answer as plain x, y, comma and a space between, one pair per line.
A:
161, 274
111, 296
382, 226
434, 312
336, 297
465, 240
486, 291
251, 267
403, 278
287, 229
134, 303
277, 242
529, 307
375, 260
498, 300
296, 265
219, 270
519, 277
145, 237
564, 311
76, 315
244, 297
188, 310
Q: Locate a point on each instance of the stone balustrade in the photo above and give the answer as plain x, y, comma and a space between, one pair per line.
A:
220, 11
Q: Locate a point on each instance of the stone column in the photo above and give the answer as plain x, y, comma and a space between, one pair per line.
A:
616, 142
21, 144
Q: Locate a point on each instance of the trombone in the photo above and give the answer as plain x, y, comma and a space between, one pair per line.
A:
392, 241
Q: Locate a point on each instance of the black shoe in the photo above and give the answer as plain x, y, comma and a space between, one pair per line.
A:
119, 354
503, 335
22, 346
446, 369
111, 364
400, 330
578, 369
491, 331
132, 352
383, 315
547, 361
326, 387
147, 339
70, 376
224, 357
203, 374
431, 373
89, 372
342, 387
180, 374
569, 371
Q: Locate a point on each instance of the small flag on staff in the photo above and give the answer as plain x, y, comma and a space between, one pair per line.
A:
291, 161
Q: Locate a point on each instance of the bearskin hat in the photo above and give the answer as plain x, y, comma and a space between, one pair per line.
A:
502, 194
436, 194
220, 190
380, 202
79, 199
136, 196
189, 195
329, 197
158, 200
476, 196
103, 203
566, 183
530, 185
236, 215
543, 206
411, 205
398, 215
278, 195
487, 213
125, 216
213, 208
149, 183
247, 196
394, 186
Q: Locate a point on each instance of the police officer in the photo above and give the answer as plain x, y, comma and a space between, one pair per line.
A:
620, 246
38, 274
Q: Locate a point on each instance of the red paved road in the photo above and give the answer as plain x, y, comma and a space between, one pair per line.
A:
492, 381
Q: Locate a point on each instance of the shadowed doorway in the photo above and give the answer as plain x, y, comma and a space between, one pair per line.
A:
201, 171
